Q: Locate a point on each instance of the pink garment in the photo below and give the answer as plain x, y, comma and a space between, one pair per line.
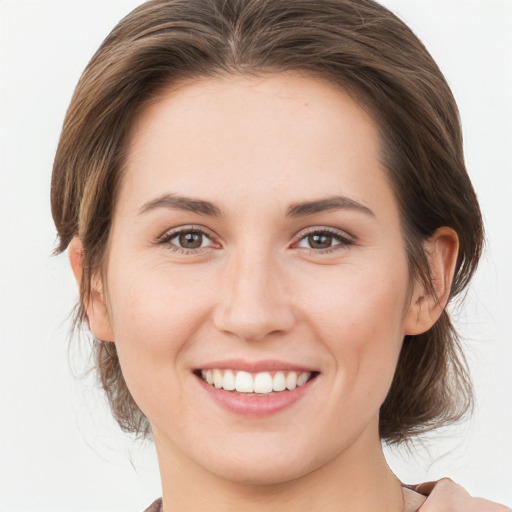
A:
156, 506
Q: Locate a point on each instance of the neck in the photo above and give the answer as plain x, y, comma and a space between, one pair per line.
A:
359, 479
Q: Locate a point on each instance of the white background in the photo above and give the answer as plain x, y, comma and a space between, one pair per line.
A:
59, 448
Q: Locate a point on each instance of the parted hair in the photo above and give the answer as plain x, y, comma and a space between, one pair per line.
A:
357, 44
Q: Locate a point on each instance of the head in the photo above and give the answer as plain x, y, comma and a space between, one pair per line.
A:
181, 58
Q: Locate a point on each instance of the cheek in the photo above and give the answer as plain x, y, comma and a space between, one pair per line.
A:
359, 317
155, 315
155, 305
359, 302
353, 312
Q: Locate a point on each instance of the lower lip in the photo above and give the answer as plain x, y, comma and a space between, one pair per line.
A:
255, 405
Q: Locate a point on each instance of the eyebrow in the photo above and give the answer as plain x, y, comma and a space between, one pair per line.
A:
175, 202
301, 209
325, 205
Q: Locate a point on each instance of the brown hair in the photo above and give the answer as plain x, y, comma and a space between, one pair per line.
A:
357, 44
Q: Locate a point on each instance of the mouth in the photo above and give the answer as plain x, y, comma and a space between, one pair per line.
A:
255, 384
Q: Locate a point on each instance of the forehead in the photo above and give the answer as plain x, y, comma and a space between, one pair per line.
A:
247, 135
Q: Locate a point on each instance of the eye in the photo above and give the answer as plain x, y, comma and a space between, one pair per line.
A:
324, 241
187, 240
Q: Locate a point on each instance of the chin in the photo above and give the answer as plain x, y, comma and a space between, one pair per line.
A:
259, 463
251, 474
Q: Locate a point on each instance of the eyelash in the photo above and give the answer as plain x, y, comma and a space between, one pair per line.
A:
344, 241
166, 238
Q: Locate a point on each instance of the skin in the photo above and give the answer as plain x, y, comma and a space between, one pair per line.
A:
257, 289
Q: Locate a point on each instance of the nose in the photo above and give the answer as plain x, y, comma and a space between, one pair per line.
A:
254, 300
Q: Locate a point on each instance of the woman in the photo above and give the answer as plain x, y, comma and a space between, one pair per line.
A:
267, 212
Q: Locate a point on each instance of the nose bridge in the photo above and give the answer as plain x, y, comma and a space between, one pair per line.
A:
254, 300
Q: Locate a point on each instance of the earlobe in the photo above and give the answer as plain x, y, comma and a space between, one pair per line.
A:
427, 305
95, 307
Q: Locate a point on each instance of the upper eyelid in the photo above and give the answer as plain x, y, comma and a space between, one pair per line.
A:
324, 229
170, 233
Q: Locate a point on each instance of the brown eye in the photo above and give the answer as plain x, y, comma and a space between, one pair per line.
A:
190, 240
320, 241
324, 241
187, 240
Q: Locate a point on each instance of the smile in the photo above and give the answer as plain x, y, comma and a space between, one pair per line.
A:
261, 383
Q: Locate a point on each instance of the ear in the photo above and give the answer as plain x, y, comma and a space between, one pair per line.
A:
97, 316
426, 306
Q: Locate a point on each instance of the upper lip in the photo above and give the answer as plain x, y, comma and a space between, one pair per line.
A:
255, 366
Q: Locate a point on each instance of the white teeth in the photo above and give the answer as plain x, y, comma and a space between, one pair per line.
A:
261, 383
303, 378
229, 380
291, 381
279, 383
244, 382
218, 380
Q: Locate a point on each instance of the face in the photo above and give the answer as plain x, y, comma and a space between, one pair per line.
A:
256, 245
